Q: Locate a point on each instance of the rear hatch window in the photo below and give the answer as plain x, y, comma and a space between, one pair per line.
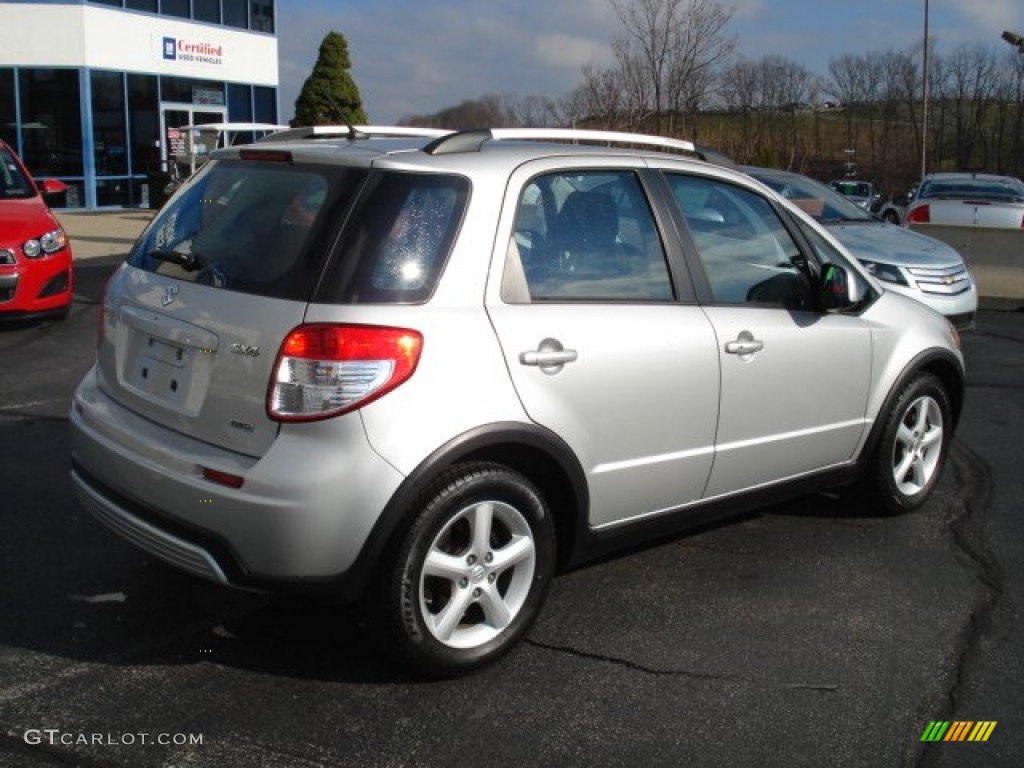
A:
224, 272
259, 228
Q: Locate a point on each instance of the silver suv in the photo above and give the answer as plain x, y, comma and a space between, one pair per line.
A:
428, 372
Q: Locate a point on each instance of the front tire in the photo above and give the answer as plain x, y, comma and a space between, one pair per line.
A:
909, 457
471, 573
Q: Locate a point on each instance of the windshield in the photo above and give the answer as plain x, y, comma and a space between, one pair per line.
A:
852, 188
824, 204
14, 185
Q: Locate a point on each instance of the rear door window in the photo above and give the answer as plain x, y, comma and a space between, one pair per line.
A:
585, 236
254, 227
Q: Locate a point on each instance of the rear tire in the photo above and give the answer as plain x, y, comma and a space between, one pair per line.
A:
911, 452
471, 572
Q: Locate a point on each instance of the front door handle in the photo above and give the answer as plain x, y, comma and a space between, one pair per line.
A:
745, 344
550, 356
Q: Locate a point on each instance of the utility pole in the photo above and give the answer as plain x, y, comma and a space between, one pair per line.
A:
924, 97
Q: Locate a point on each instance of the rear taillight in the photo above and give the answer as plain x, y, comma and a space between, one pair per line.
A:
324, 370
919, 215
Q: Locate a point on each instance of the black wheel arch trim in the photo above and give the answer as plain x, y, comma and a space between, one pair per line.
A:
939, 362
488, 442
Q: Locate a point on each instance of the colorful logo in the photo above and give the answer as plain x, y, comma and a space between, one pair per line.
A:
958, 730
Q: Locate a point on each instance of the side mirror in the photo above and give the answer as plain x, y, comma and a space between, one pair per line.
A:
54, 192
836, 291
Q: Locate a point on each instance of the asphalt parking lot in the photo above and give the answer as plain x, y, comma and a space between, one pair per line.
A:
809, 634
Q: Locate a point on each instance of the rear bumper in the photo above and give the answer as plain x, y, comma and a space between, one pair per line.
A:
303, 514
128, 521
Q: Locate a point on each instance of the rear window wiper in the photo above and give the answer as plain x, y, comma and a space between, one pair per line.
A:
190, 262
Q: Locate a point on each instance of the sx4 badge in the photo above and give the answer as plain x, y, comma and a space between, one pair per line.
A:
245, 349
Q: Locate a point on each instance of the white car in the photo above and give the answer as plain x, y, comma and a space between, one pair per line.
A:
860, 193
968, 200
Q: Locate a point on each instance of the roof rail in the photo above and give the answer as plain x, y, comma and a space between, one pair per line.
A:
353, 132
473, 140
590, 136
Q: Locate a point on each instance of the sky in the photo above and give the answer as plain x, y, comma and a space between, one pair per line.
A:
420, 56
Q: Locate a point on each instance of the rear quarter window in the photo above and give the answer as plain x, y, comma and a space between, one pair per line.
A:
397, 239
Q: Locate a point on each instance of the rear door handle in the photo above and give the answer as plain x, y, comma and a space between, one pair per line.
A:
550, 356
745, 344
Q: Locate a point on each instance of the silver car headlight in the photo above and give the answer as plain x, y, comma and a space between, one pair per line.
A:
885, 272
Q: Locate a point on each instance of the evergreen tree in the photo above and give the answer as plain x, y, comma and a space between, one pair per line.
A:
330, 96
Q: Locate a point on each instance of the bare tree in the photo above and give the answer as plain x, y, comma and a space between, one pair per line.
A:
485, 111
740, 91
970, 89
600, 100
1009, 118
537, 111
669, 51
772, 95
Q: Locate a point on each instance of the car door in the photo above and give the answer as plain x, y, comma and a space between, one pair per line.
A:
599, 349
794, 380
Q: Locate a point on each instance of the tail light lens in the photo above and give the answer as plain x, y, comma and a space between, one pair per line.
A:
325, 370
920, 215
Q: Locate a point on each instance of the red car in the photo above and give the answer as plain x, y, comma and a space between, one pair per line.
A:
35, 255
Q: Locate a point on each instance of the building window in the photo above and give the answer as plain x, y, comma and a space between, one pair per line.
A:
51, 121
109, 132
236, 13
239, 103
262, 17
265, 100
206, 10
144, 123
8, 123
184, 90
177, 8
150, 6
115, 3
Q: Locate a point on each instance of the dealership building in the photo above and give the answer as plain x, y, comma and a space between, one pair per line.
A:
90, 90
